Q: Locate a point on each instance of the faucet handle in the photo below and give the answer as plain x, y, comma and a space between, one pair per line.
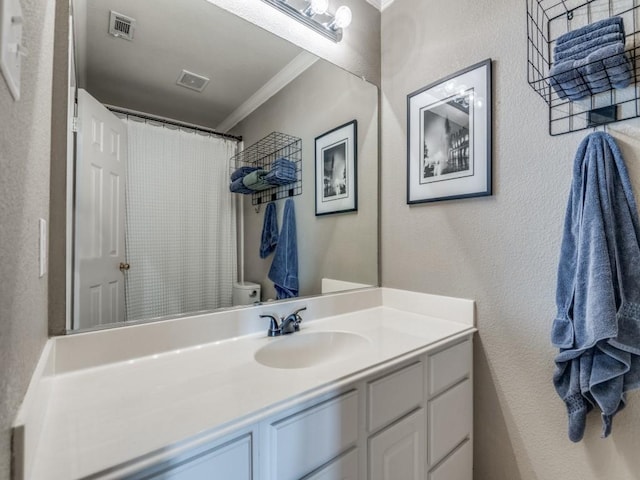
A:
274, 329
298, 318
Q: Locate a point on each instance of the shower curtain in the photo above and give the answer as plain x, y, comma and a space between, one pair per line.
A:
181, 221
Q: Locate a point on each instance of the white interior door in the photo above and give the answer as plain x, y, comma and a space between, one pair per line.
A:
99, 215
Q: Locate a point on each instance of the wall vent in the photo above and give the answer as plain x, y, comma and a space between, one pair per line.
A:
121, 26
192, 80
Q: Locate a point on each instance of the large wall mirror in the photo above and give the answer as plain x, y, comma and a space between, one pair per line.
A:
156, 232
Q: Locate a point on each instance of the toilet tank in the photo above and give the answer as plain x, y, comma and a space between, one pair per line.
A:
246, 293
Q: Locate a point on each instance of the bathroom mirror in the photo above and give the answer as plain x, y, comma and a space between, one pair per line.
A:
187, 245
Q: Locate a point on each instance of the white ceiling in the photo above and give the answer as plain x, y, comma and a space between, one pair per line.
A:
169, 36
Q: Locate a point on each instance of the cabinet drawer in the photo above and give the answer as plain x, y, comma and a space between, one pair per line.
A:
397, 453
458, 466
395, 394
450, 420
449, 366
305, 441
342, 468
231, 461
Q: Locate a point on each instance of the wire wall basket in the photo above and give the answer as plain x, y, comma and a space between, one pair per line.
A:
263, 154
549, 19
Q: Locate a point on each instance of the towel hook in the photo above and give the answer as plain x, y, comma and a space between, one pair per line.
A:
257, 208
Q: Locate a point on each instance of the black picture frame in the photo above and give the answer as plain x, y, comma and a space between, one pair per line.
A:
336, 170
449, 132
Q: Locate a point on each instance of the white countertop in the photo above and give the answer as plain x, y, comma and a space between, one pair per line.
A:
100, 417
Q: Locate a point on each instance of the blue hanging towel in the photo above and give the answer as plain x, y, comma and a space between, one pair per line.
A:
597, 327
269, 238
284, 268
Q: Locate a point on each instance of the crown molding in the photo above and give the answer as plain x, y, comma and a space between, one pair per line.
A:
290, 72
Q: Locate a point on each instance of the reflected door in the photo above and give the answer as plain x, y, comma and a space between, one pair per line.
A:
100, 265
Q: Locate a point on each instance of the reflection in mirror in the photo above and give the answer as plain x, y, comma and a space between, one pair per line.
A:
157, 233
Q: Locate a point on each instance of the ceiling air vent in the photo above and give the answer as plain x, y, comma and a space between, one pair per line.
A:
121, 26
192, 80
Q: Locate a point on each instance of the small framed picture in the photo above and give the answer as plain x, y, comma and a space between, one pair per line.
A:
449, 137
336, 170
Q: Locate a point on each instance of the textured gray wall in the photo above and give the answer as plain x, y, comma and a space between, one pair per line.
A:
342, 246
502, 250
24, 197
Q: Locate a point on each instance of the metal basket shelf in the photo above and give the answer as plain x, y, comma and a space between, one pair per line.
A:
549, 19
262, 154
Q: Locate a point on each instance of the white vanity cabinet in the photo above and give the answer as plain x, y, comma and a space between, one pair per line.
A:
411, 421
228, 460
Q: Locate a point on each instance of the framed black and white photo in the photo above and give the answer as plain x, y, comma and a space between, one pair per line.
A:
336, 170
449, 137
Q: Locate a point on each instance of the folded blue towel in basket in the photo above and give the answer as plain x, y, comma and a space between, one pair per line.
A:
608, 25
585, 48
566, 44
567, 81
283, 172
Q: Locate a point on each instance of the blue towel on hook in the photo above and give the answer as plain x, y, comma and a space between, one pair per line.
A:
269, 238
597, 327
284, 268
616, 22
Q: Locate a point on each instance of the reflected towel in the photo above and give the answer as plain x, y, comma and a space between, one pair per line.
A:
255, 180
284, 268
269, 238
282, 172
241, 172
597, 327
238, 187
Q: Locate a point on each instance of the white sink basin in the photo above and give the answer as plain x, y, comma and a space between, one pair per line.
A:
300, 350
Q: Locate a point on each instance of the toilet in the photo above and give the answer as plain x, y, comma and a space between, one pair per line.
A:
245, 293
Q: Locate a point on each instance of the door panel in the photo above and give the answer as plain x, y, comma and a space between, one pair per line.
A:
99, 215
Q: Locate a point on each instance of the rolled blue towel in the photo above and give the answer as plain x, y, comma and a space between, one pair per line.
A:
567, 81
255, 180
241, 172
592, 27
238, 187
560, 45
606, 68
584, 49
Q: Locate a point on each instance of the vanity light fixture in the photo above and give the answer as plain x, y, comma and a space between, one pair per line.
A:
315, 15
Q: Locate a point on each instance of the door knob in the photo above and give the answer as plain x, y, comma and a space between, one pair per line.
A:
124, 266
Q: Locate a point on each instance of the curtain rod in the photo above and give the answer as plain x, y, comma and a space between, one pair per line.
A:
170, 121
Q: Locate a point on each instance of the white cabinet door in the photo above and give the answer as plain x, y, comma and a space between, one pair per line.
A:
399, 452
231, 461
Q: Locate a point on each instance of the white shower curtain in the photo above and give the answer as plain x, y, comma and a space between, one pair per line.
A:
181, 222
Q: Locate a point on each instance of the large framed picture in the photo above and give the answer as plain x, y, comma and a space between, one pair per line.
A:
449, 137
336, 170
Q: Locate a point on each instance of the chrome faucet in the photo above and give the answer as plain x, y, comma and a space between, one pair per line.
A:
288, 324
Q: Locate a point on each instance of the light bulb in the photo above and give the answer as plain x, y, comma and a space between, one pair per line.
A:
317, 7
342, 18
